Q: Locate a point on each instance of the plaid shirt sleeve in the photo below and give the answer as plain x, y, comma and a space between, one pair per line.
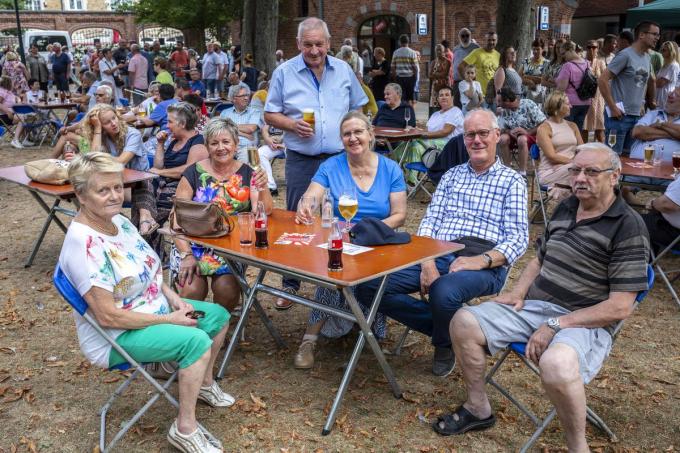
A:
431, 222
515, 223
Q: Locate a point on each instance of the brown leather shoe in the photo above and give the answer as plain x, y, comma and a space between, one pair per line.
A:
283, 303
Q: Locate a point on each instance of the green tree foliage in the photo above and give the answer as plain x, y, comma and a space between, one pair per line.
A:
209, 15
9, 4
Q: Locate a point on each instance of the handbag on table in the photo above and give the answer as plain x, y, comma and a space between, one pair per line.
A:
193, 218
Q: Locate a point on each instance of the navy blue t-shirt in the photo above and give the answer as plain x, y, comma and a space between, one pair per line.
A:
59, 63
386, 117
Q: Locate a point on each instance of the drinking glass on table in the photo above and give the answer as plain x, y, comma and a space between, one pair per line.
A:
348, 205
307, 209
407, 117
246, 228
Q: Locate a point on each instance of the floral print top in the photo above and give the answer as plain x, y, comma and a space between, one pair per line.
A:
124, 265
232, 194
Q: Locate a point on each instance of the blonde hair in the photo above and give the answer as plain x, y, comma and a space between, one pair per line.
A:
554, 102
219, 125
88, 130
673, 50
11, 56
569, 49
84, 166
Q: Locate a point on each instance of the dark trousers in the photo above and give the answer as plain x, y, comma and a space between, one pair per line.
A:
61, 81
447, 294
300, 169
661, 233
408, 85
578, 115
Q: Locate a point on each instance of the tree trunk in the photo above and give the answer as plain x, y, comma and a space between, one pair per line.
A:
248, 27
267, 13
514, 25
195, 38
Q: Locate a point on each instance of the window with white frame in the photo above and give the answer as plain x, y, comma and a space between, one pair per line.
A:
34, 5
75, 5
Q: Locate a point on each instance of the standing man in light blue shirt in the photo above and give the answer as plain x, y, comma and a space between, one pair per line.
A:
211, 64
248, 120
311, 80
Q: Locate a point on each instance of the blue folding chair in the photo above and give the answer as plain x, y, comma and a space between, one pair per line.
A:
219, 108
41, 125
423, 179
71, 295
671, 249
124, 102
518, 349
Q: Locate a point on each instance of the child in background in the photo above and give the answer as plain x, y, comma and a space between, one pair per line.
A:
471, 95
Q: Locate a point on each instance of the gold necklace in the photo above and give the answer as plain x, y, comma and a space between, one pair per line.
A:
111, 230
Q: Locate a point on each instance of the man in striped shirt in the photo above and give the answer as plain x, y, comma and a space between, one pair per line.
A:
482, 204
404, 68
589, 266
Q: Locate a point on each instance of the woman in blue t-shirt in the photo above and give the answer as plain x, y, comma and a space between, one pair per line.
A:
381, 193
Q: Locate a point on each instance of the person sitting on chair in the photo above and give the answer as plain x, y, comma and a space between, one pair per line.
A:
589, 266
121, 279
442, 126
659, 128
663, 216
519, 122
557, 138
393, 112
482, 204
381, 194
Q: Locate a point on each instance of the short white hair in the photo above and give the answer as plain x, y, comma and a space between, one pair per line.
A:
106, 89
614, 159
490, 115
312, 23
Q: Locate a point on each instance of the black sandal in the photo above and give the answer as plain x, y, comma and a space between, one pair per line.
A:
461, 421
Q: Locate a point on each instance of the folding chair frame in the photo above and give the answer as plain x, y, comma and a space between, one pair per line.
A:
422, 179
543, 197
671, 248
518, 349
36, 129
67, 291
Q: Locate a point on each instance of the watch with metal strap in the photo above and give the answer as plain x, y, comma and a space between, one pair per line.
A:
554, 324
487, 259
183, 255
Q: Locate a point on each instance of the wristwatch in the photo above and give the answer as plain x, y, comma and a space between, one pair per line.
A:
183, 255
554, 324
487, 259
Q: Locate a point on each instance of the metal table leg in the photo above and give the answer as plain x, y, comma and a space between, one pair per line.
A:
366, 334
51, 216
247, 305
243, 282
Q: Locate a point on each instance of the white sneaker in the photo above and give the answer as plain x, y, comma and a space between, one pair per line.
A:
214, 396
15, 144
195, 442
27, 142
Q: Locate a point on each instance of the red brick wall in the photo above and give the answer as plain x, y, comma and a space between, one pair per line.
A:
345, 17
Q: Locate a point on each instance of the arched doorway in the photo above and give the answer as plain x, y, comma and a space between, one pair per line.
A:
382, 31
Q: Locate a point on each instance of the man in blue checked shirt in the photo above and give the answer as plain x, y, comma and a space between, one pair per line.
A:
248, 120
482, 204
312, 80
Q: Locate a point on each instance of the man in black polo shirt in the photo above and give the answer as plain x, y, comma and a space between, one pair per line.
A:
589, 266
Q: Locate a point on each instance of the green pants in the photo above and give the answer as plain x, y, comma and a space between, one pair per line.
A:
170, 342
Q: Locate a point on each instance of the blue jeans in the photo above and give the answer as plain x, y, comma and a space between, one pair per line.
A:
447, 294
209, 85
623, 127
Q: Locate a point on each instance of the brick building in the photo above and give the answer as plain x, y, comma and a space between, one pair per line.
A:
378, 23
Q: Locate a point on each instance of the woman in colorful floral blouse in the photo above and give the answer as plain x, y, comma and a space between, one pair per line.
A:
236, 188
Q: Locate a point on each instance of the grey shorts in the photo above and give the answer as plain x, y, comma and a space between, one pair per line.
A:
503, 325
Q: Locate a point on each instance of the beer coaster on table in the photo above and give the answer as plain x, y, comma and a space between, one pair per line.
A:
348, 248
295, 239
639, 165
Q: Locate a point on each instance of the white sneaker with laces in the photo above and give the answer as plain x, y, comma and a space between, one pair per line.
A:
27, 142
15, 144
214, 396
195, 442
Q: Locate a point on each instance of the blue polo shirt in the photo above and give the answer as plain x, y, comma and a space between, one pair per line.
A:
294, 88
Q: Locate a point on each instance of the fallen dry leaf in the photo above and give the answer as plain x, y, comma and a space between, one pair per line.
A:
258, 401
